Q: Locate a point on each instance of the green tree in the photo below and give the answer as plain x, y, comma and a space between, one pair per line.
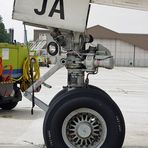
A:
0, 19
4, 36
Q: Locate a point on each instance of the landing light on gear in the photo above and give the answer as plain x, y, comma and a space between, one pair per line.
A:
52, 48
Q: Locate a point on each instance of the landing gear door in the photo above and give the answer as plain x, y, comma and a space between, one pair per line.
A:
64, 14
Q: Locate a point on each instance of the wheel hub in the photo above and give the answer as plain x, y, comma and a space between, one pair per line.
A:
84, 128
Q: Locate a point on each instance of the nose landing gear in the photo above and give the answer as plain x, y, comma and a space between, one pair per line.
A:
80, 116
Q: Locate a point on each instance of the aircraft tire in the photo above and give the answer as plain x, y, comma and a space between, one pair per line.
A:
84, 117
65, 89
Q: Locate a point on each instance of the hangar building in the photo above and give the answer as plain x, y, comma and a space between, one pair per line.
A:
128, 49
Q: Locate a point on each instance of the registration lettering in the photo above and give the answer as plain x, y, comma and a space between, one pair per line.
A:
53, 10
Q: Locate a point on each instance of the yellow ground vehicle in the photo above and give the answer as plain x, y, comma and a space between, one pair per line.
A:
14, 74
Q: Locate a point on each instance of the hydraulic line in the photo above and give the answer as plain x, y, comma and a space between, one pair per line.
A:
27, 77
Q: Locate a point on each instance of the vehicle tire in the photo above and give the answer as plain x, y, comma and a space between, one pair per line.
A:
85, 117
14, 100
18, 94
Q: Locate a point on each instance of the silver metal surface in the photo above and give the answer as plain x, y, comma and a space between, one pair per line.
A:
46, 76
28, 92
38, 102
84, 127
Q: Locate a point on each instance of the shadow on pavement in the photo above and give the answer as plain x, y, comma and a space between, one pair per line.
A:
22, 114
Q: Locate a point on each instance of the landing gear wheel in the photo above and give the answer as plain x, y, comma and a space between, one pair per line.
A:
84, 127
85, 117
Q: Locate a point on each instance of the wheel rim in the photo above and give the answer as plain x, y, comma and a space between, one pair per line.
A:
84, 128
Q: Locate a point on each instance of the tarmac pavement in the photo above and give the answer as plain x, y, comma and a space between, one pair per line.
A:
128, 87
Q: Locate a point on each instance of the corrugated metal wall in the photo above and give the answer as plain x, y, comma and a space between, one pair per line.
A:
125, 54
141, 57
